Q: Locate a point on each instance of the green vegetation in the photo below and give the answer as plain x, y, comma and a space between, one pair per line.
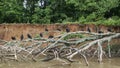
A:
71, 36
60, 11
37, 36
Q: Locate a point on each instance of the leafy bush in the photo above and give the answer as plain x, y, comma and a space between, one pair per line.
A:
60, 11
109, 21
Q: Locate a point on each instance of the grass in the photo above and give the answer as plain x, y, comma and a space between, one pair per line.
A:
73, 36
107, 22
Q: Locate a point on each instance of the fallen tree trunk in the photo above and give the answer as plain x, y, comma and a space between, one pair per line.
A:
59, 48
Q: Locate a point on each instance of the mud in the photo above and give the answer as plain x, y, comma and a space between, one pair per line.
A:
16, 30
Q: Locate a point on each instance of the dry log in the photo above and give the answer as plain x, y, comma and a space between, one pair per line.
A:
60, 50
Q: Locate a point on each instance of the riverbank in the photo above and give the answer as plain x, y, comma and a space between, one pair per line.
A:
16, 30
59, 41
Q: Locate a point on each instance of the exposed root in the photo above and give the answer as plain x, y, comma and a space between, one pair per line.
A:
58, 49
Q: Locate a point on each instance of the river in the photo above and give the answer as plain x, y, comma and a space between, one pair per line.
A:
107, 63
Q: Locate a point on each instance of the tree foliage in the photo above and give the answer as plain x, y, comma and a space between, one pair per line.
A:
57, 11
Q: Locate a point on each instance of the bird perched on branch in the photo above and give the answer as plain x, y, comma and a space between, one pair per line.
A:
29, 36
21, 37
67, 30
41, 35
46, 29
51, 36
88, 29
109, 30
13, 38
100, 31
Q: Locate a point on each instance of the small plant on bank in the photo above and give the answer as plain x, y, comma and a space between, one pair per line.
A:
73, 36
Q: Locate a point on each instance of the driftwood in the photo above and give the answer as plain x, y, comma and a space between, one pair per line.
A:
58, 48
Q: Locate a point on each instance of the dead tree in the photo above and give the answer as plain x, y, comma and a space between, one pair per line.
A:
58, 48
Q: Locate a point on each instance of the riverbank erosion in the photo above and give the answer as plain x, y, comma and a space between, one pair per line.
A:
16, 30
60, 43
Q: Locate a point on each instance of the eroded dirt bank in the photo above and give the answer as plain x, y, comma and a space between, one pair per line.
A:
16, 30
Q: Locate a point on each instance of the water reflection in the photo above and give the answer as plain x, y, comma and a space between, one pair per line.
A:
107, 63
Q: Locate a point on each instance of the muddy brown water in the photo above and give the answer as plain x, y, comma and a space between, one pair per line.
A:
107, 63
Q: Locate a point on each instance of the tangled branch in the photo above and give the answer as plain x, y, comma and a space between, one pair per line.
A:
57, 48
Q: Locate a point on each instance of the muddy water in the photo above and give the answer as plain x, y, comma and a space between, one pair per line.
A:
107, 63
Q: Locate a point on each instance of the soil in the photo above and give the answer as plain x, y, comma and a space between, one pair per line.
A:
16, 30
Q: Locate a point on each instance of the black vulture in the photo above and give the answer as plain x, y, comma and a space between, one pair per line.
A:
100, 31
13, 38
21, 37
67, 30
29, 36
88, 29
109, 30
51, 36
46, 29
58, 29
41, 35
